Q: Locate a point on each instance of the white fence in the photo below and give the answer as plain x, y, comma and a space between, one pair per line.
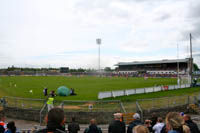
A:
127, 92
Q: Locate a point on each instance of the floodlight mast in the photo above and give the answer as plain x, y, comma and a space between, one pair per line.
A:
191, 59
98, 41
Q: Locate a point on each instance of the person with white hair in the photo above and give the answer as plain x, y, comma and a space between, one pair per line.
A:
117, 126
136, 121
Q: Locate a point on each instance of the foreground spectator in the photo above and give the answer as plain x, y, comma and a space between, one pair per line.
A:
186, 129
147, 123
2, 123
73, 127
159, 125
174, 122
164, 129
93, 128
136, 121
55, 121
154, 118
193, 126
11, 128
140, 129
2, 129
117, 126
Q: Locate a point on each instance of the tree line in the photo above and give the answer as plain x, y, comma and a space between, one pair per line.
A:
28, 69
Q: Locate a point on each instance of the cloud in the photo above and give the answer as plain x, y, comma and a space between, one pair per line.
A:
64, 33
163, 17
193, 19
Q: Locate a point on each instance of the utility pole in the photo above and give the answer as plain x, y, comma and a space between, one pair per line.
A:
191, 59
178, 80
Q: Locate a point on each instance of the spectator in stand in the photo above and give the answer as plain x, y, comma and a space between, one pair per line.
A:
2, 122
2, 129
164, 129
55, 121
122, 117
154, 118
136, 121
159, 125
174, 122
73, 127
140, 129
93, 128
11, 128
193, 126
117, 126
147, 123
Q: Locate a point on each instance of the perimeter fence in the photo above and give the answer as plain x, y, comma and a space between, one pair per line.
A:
23, 103
166, 102
171, 101
67, 105
128, 92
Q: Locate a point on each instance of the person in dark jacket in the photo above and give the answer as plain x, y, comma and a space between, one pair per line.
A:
11, 128
117, 126
134, 123
2, 129
164, 129
93, 128
2, 122
153, 118
193, 126
73, 127
55, 121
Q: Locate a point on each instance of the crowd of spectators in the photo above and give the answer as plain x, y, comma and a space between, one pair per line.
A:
174, 122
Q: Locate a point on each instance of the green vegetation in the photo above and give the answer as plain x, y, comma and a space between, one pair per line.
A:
87, 87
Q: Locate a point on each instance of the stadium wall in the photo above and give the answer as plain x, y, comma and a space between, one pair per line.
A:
81, 117
163, 111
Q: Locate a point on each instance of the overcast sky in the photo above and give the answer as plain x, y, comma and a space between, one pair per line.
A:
56, 33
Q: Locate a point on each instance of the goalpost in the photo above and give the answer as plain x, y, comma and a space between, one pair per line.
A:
185, 79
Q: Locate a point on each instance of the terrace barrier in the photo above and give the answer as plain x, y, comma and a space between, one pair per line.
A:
164, 105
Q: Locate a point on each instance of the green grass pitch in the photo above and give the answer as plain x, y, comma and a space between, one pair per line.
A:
87, 87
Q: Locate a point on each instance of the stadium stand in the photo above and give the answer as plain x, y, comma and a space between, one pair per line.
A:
154, 68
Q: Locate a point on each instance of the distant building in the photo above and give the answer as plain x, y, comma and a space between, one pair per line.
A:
155, 67
64, 69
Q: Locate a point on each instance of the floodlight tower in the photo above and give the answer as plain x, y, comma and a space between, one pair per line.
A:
98, 41
191, 59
